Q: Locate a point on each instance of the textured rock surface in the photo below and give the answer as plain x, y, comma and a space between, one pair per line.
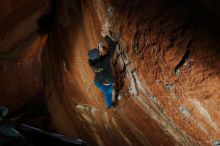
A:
163, 63
20, 51
167, 68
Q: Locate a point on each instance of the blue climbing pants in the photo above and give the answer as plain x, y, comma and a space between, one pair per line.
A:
107, 90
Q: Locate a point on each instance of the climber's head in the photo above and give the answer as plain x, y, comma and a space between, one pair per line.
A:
94, 54
97, 52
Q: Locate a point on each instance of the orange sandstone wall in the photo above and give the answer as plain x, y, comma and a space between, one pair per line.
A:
20, 51
167, 66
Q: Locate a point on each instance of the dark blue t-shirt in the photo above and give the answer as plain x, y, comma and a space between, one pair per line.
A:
102, 66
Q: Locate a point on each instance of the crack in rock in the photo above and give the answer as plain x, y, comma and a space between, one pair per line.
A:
181, 62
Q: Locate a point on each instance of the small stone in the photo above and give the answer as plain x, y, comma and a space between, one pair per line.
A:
216, 143
169, 86
119, 97
154, 98
184, 111
110, 11
158, 81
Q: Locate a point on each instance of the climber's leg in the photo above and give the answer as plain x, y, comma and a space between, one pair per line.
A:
107, 90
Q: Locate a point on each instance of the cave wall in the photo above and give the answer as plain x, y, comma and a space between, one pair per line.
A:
167, 65
76, 105
211, 5
173, 50
20, 52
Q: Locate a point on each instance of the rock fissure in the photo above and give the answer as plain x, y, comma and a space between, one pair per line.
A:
182, 61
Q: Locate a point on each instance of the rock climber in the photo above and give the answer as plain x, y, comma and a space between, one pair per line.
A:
100, 61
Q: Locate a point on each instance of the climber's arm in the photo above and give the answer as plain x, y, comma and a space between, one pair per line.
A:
111, 44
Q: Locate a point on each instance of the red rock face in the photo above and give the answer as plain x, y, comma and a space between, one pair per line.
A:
20, 61
166, 67
163, 65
